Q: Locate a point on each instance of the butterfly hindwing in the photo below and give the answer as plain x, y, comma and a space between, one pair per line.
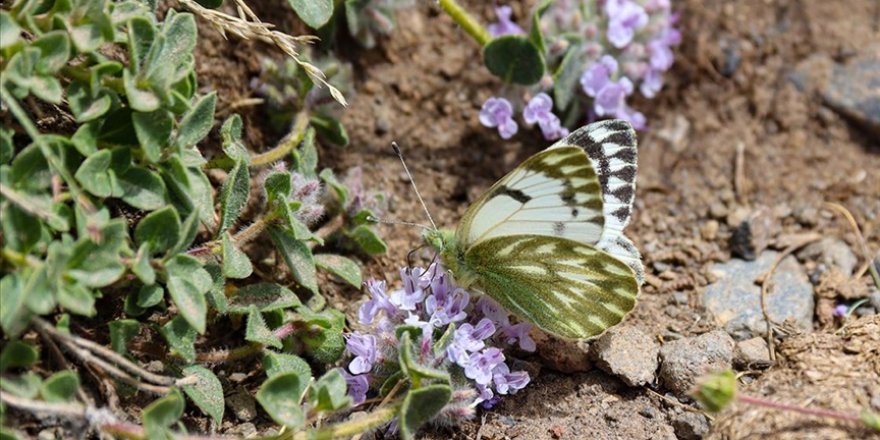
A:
612, 148
555, 193
566, 288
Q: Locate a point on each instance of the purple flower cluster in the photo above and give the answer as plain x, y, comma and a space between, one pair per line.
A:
430, 300
498, 112
622, 47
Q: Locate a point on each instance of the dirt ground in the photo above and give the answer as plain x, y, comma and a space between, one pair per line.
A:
729, 90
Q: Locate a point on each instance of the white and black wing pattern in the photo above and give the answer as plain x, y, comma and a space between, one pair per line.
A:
612, 148
554, 193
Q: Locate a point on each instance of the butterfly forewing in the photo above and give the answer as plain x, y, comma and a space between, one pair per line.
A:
554, 193
566, 288
611, 148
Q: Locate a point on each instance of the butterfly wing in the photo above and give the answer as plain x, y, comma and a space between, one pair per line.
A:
554, 193
566, 288
612, 150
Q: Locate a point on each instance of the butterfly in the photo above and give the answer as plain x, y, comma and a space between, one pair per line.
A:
546, 241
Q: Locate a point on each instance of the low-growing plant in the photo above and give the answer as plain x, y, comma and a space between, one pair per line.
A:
111, 226
579, 61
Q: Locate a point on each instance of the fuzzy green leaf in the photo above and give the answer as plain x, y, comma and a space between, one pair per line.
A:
230, 134
340, 266
187, 284
515, 59
298, 257
257, 330
149, 296
122, 331
264, 296
330, 129
420, 406
325, 345
277, 363
329, 392
181, 338
236, 263
160, 228
10, 32
314, 13
233, 195
410, 366
535, 35
55, 51
217, 294
60, 387
26, 385
140, 98
197, 122
85, 105
188, 231
94, 174
142, 189
153, 131
280, 396
163, 413
305, 158
18, 354
77, 299
141, 266
566, 77
368, 240
277, 186
206, 393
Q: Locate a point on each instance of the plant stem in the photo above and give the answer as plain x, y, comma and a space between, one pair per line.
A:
466, 21
798, 409
296, 135
346, 429
241, 237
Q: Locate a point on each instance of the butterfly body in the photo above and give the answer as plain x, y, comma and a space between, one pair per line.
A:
546, 240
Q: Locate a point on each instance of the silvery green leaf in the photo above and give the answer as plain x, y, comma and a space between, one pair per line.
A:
236, 263
264, 296
206, 393
18, 354
160, 228
153, 131
233, 195
276, 363
197, 122
187, 284
60, 387
257, 330
181, 338
298, 257
10, 32
122, 331
314, 13
343, 267
280, 396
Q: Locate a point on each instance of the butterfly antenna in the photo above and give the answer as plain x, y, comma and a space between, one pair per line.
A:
413, 182
373, 219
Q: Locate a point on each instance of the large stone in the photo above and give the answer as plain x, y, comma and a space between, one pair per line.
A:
831, 252
684, 361
734, 299
627, 353
854, 90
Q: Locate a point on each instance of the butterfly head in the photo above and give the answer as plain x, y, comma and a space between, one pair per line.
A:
441, 240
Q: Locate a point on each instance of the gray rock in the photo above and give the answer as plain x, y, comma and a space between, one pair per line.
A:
690, 426
752, 235
735, 300
242, 405
751, 353
831, 252
874, 298
684, 361
854, 90
243, 430
627, 353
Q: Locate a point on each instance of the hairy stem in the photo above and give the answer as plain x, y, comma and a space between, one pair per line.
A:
466, 21
375, 419
296, 135
819, 412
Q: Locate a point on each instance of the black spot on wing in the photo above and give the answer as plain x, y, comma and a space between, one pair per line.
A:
514, 194
622, 213
558, 228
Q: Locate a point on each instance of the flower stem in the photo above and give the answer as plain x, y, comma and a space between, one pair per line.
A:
466, 21
819, 412
346, 429
296, 135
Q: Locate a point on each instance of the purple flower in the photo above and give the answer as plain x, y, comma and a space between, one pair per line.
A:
358, 384
487, 397
624, 18
446, 308
598, 75
411, 294
661, 55
498, 112
481, 365
540, 110
492, 310
611, 97
519, 332
652, 82
637, 119
507, 382
504, 26
468, 339
841, 310
378, 301
364, 348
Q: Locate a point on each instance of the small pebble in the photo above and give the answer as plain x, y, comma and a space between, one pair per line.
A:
627, 353
751, 353
690, 426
